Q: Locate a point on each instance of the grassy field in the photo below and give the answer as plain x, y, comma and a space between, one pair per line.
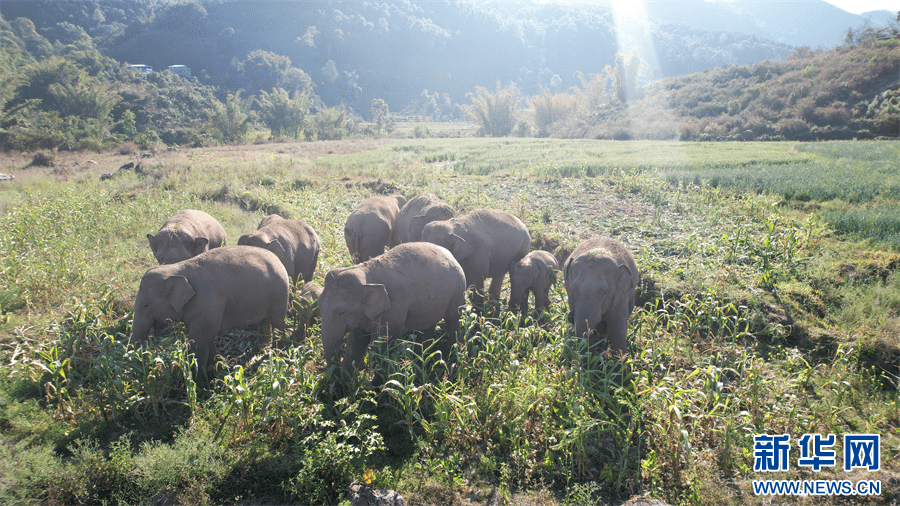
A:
769, 304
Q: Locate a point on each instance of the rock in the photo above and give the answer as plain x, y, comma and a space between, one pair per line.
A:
105, 176
91, 162
127, 166
6, 177
361, 495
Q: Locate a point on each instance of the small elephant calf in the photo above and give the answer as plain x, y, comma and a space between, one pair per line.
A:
535, 273
212, 293
307, 307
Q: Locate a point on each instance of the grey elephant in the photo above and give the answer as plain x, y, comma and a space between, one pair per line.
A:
186, 234
600, 279
485, 242
307, 306
294, 242
372, 227
536, 273
212, 293
418, 212
410, 287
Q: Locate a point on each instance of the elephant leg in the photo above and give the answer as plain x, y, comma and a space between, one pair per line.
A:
202, 331
357, 344
617, 331
496, 286
477, 285
201, 346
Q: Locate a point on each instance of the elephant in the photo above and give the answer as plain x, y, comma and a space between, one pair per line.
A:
410, 287
186, 234
485, 242
372, 227
309, 298
419, 212
535, 273
307, 306
212, 293
600, 278
294, 242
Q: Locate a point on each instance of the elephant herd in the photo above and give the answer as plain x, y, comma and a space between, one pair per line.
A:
433, 258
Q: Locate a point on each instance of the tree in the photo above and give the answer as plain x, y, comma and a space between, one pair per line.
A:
129, 128
381, 115
551, 108
86, 98
262, 70
496, 113
282, 114
231, 122
330, 124
624, 76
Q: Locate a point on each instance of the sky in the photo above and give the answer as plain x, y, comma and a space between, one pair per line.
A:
860, 6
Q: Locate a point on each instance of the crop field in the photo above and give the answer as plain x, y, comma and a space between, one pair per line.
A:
769, 303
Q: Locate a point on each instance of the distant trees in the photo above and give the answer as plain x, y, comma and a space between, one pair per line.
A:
549, 109
265, 70
232, 121
380, 115
495, 113
284, 115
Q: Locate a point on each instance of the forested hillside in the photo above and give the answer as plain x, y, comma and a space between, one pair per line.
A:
67, 87
421, 55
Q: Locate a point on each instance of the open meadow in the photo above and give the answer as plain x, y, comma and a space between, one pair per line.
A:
769, 303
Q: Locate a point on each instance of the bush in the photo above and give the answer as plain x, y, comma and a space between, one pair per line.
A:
43, 159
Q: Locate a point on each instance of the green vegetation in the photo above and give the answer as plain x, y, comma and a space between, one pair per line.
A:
70, 95
760, 311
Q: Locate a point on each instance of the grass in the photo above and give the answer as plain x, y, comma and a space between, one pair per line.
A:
758, 313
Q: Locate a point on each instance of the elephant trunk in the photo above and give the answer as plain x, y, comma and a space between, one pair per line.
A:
585, 321
140, 329
332, 334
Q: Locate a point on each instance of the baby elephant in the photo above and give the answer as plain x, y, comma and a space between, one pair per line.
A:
419, 212
372, 227
294, 242
486, 243
411, 287
186, 234
601, 277
535, 273
307, 306
212, 293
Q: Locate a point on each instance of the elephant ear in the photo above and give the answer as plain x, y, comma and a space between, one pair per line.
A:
623, 284
201, 244
180, 292
244, 240
275, 247
376, 300
460, 247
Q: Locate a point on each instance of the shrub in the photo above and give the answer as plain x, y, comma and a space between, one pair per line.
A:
43, 159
